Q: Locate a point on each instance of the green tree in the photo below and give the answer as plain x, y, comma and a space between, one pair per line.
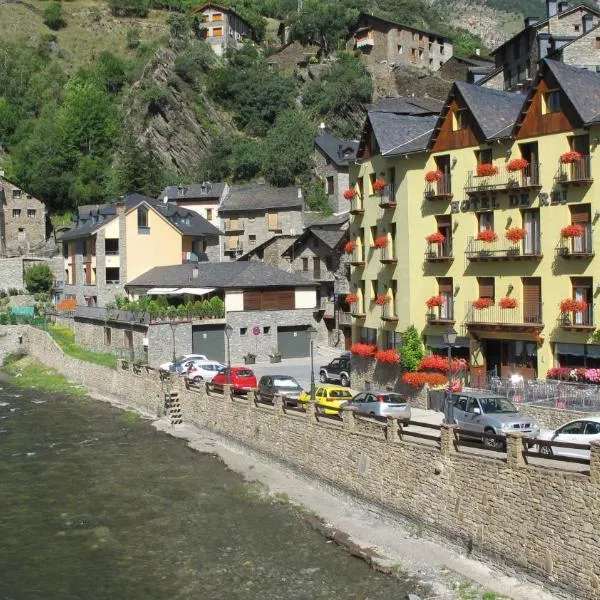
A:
215, 166
139, 168
179, 27
411, 350
246, 159
53, 15
39, 279
195, 60
112, 71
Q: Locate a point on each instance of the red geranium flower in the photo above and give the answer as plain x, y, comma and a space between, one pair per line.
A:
515, 234
436, 238
349, 246
380, 241
433, 176
350, 193
574, 230
487, 235
517, 164
388, 356
508, 302
379, 185
482, 303
570, 157
486, 170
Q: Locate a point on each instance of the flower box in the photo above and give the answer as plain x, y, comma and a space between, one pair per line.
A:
379, 185
436, 238
351, 299
572, 305
517, 164
482, 303
487, 235
382, 299
350, 194
508, 303
380, 242
567, 158
433, 176
434, 301
391, 357
363, 350
515, 234
486, 170
349, 246
571, 231
420, 379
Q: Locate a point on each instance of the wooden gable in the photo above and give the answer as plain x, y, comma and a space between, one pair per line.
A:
447, 138
368, 145
533, 123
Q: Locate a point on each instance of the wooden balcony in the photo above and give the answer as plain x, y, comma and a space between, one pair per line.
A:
524, 318
505, 180
578, 172
440, 190
233, 225
502, 249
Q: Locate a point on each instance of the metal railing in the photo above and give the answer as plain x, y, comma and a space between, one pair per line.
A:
529, 246
358, 255
439, 189
387, 197
575, 172
584, 318
445, 312
579, 245
441, 251
523, 314
387, 253
504, 179
144, 317
388, 311
356, 204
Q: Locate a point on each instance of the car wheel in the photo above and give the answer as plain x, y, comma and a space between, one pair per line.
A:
490, 442
345, 381
545, 450
323, 377
198, 379
372, 414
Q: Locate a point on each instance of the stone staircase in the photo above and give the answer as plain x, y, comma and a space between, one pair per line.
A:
173, 408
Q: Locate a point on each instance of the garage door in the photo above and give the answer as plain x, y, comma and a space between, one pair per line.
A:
210, 341
293, 342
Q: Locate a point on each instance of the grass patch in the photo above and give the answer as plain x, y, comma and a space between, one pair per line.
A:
130, 416
29, 373
65, 338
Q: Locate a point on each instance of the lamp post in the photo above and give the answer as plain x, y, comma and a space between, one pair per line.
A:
312, 332
449, 336
228, 332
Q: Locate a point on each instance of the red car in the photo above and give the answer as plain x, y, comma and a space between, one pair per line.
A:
242, 379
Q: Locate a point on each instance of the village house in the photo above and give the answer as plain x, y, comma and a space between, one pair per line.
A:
112, 244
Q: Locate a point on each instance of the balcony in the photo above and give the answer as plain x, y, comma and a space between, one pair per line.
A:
505, 180
436, 253
356, 205
387, 198
578, 320
344, 318
577, 247
366, 41
357, 258
233, 248
502, 249
577, 172
388, 312
523, 318
442, 315
231, 225
440, 190
357, 310
388, 256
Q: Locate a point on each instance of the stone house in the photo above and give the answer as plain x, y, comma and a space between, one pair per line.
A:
583, 52
112, 244
517, 60
267, 309
270, 252
332, 157
203, 198
384, 41
23, 221
253, 213
467, 68
221, 27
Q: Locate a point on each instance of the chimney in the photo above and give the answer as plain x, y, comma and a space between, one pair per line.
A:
530, 21
551, 7
180, 190
562, 6
587, 23
119, 206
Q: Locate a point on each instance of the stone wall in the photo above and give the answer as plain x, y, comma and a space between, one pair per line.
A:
341, 181
543, 521
12, 270
94, 336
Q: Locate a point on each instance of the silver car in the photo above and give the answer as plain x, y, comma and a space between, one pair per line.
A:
481, 413
380, 404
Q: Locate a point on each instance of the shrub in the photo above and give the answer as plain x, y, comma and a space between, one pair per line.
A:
133, 38
39, 279
193, 61
129, 8
53, 16
411, 350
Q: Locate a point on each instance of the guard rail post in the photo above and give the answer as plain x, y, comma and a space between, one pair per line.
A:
514, 451
348, 419
595, 462
447, 439
391, 431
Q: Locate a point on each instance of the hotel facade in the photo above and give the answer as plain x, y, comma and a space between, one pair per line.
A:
485, 222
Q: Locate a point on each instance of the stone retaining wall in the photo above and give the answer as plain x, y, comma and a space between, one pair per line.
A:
543, 521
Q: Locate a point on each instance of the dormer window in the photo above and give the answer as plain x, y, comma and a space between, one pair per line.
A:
459, 119
142, 219
551, 102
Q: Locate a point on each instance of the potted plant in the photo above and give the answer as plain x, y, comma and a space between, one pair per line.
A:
487, 235
571, 231
434, 301
436, 238
434, 176
482, 303
380, 241
508, 302
571, 305
566, 158
517, 164
382, 299
350, 194
349, 246
515, 234
275, 356
379, 185
249, 358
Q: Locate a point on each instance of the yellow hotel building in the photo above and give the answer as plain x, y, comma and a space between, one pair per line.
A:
509, 182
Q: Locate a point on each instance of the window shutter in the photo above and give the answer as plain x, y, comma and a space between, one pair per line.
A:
445, 285
444, 220
580, 213
486, 287
232, 241
273, 221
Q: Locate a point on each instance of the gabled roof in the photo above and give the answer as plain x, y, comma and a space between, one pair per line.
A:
362, 16
224, 275
224, 9
187, 222
260, 197
330, 238
316, 219
408, 106
194, 191
269, 242
339, 151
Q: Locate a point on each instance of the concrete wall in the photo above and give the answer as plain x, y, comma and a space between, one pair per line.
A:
542, 521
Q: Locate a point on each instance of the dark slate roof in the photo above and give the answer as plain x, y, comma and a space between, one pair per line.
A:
92, 218
495, 111
339, 151
408, 106
266, 244
582, 88
194, 191
317, 219
260, 196
224, 275
401, 134
330, 237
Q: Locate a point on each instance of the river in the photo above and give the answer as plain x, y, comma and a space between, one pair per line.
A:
95, 504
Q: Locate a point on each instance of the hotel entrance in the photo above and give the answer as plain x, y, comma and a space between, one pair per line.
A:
510, 357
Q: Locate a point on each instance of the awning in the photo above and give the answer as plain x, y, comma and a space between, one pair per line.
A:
195, 291
160, 291
437, 341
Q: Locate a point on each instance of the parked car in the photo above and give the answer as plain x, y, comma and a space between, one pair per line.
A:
338, 370
580, 431
202, 370
242, 379
480, 413
181, 364
377, 403
288, 387
328, 398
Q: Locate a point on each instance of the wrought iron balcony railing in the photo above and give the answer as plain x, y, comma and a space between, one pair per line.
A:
356, 205
577, 247
441, 189
387, 197
504, 179
578, 319
440, 252
523, 316
578, 172
502, 249
442, 314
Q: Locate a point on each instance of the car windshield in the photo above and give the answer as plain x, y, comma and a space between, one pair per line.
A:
497, 405
244, 373
285, 382
339, 394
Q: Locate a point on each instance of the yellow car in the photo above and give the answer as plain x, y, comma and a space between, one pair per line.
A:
328, 398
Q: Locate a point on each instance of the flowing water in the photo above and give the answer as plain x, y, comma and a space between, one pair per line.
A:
95, 504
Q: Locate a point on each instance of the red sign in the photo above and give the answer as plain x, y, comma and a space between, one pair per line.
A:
256, 330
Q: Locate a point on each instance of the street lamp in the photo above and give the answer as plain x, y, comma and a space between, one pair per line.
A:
312, 332
228, 332
449, 337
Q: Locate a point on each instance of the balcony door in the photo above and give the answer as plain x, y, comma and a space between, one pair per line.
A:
445, 290
444, 226
582, 291
531, 224
581, 215
442, 162
530, 153
532, 300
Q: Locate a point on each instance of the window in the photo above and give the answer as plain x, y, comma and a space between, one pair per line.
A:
483, 156
16, 213
485, 221
16, 193
107, 336
31, 213
209, 214
413, 54
266, 329
442, 49
243, 330
400, 48
576, 27
373, 233
305, 264
252, 239
329, 185
597, 43
273, 219
459, 119
551, 102
368, 335
142, 219
421, 54
112, 275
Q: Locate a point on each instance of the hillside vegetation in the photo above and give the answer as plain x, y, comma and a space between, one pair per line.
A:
100, 99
